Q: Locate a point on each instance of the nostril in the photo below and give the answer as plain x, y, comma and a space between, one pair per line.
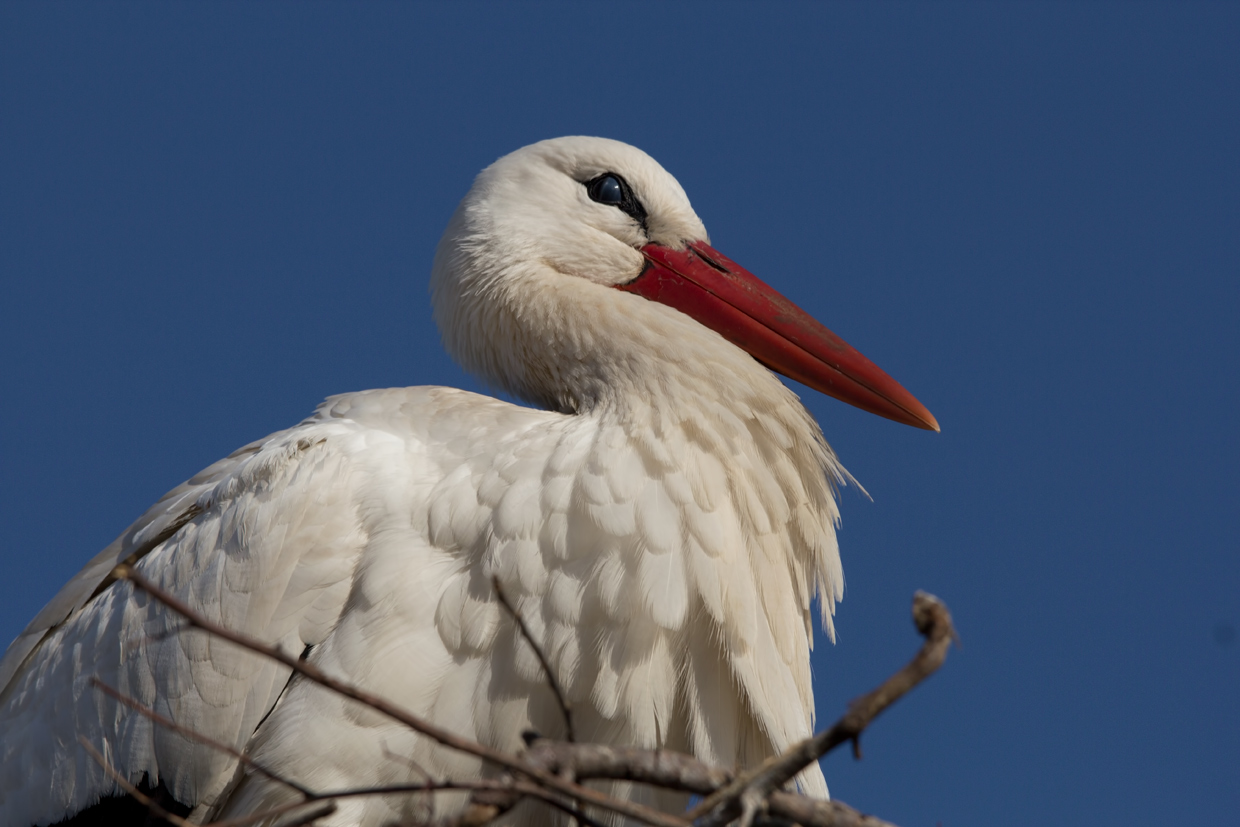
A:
710, 261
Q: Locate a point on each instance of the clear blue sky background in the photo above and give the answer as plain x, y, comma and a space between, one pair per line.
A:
212, 216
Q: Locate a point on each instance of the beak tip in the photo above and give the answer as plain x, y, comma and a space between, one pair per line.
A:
915, 414
702, 283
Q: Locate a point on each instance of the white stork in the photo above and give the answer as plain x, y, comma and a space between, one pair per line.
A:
663, 520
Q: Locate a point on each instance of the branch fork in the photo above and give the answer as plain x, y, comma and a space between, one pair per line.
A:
554, 771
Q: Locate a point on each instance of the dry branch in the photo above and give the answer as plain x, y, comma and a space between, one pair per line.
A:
814, 812
314, 810
631, 809
554, 682
934, 622
142, 798
678, 771
550, 770
192, 734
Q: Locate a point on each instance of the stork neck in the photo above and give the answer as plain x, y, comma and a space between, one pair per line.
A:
665, 362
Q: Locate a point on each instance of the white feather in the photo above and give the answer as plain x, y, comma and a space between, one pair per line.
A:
664, 524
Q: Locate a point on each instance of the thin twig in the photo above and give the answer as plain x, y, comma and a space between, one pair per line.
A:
309, 796
560, 698
408, 762
554, 768
193, 734
415, 767
432, 786
677, 771
484, 809
934, 622
814, 812
519, 788
552, 681
322, 810
632, 809
141, 797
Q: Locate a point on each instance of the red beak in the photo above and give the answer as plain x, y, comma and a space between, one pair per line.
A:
711, 288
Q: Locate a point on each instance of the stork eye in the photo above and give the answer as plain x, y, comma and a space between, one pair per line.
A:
606, 189
612, 190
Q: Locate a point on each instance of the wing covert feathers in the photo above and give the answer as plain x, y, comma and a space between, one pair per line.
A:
667, 565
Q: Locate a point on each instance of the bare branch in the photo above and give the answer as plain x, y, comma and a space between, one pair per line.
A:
509, 790
310, 797
813, 812
141, 797
678, 771
565, 710
484, 809
934, 622
322, 811
407, 761
558, 691
311, 672
316, 811
662, 768
550, 771
169, 724
413, 766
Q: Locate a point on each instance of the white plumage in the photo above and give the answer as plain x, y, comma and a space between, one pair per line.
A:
663, 524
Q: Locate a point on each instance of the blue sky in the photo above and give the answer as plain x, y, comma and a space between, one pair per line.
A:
213, 216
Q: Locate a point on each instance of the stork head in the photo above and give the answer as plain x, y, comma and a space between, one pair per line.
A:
571, 259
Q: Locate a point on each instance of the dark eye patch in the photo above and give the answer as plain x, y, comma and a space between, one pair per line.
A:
612, 190
607, 190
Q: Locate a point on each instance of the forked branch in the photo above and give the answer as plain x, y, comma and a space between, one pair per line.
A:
934, 622
383, 706
551, 771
